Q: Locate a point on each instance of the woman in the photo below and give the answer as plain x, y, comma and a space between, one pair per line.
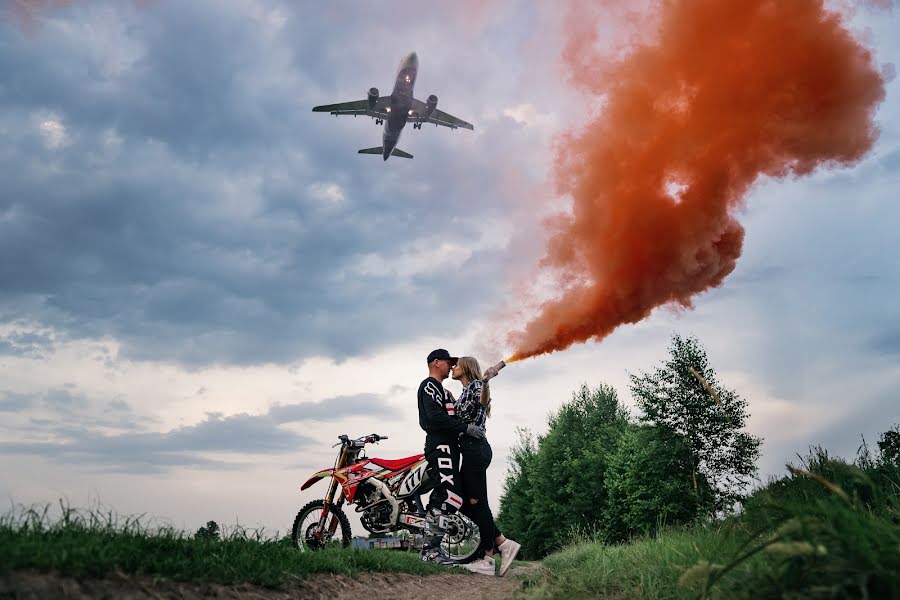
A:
474, 406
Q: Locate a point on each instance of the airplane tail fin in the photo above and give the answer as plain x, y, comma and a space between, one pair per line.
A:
400, 153
380, 150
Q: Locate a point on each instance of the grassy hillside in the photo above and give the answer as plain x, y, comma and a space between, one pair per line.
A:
94, 544
827, 530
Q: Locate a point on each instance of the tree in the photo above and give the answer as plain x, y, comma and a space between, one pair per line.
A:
889, 446
709, 418
210, 532
649, 483
515, 516
563, 480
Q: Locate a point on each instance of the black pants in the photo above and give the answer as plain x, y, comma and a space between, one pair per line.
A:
443, 468
476, 458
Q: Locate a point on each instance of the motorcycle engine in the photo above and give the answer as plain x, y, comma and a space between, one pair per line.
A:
376, 511
377, 519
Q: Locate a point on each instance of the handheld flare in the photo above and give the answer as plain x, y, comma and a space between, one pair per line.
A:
494, 370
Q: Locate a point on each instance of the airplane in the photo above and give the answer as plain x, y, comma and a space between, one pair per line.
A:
396, 110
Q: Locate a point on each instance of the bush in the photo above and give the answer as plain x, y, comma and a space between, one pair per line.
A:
828, 529
210, 532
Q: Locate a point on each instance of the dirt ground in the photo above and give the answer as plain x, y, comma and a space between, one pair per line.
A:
391, 586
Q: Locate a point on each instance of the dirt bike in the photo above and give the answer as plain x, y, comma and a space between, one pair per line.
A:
386, 492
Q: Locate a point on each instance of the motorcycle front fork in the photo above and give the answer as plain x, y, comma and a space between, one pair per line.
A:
332, 524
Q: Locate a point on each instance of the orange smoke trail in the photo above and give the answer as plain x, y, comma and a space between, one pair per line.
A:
727, 92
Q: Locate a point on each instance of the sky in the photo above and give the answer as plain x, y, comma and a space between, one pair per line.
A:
202, 284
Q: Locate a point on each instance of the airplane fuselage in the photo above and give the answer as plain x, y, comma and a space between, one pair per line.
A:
396, 109
401, 103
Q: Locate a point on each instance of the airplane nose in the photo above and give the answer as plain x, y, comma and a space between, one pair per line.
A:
413, 60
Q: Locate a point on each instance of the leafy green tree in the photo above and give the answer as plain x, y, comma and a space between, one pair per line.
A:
210, 532
515, 516
649, 483
683, 396
889, 446
564, 478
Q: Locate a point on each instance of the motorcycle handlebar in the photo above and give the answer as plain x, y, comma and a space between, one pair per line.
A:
345, 439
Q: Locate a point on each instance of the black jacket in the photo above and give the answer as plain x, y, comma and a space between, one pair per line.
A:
436, 411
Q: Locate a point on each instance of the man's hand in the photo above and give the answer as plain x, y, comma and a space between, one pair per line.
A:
475, 431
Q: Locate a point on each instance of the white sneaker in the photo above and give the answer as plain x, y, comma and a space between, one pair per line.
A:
508, 551
482, 566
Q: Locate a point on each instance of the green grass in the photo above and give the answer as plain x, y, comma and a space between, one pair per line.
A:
93, 544
643, 569
831, 530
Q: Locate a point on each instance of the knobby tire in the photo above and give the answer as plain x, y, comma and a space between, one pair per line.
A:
297, 537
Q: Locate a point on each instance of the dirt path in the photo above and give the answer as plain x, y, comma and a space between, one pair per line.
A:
391, 586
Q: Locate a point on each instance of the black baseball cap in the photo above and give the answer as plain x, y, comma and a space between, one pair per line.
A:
441, 354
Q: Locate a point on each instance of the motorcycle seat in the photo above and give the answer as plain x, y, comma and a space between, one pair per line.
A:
397, 464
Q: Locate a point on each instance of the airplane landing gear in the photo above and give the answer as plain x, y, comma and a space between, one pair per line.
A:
379, 121
417, 126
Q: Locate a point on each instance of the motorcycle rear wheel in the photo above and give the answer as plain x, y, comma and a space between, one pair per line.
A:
462, 540
303, 534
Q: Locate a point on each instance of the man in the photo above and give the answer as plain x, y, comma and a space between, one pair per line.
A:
442, 431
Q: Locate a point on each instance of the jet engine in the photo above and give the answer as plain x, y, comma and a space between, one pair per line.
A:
373, 98
430, 105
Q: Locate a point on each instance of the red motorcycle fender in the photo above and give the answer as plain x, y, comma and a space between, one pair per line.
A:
315, 478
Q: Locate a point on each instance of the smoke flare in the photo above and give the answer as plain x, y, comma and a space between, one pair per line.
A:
725, 93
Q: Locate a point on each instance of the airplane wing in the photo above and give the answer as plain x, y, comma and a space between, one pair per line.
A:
438, 117
357, 108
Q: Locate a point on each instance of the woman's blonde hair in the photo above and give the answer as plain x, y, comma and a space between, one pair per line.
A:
472, 370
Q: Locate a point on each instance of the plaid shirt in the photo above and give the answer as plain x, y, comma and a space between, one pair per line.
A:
468, 405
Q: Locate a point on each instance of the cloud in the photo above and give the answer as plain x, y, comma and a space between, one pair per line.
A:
10, 402
53, 131
166, 185
887, 342
33, 344
326, 410
74, 436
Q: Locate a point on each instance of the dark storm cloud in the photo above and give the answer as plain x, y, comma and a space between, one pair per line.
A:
76, 439
165, 183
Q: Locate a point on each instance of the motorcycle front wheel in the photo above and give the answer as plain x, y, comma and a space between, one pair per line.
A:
306, 535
